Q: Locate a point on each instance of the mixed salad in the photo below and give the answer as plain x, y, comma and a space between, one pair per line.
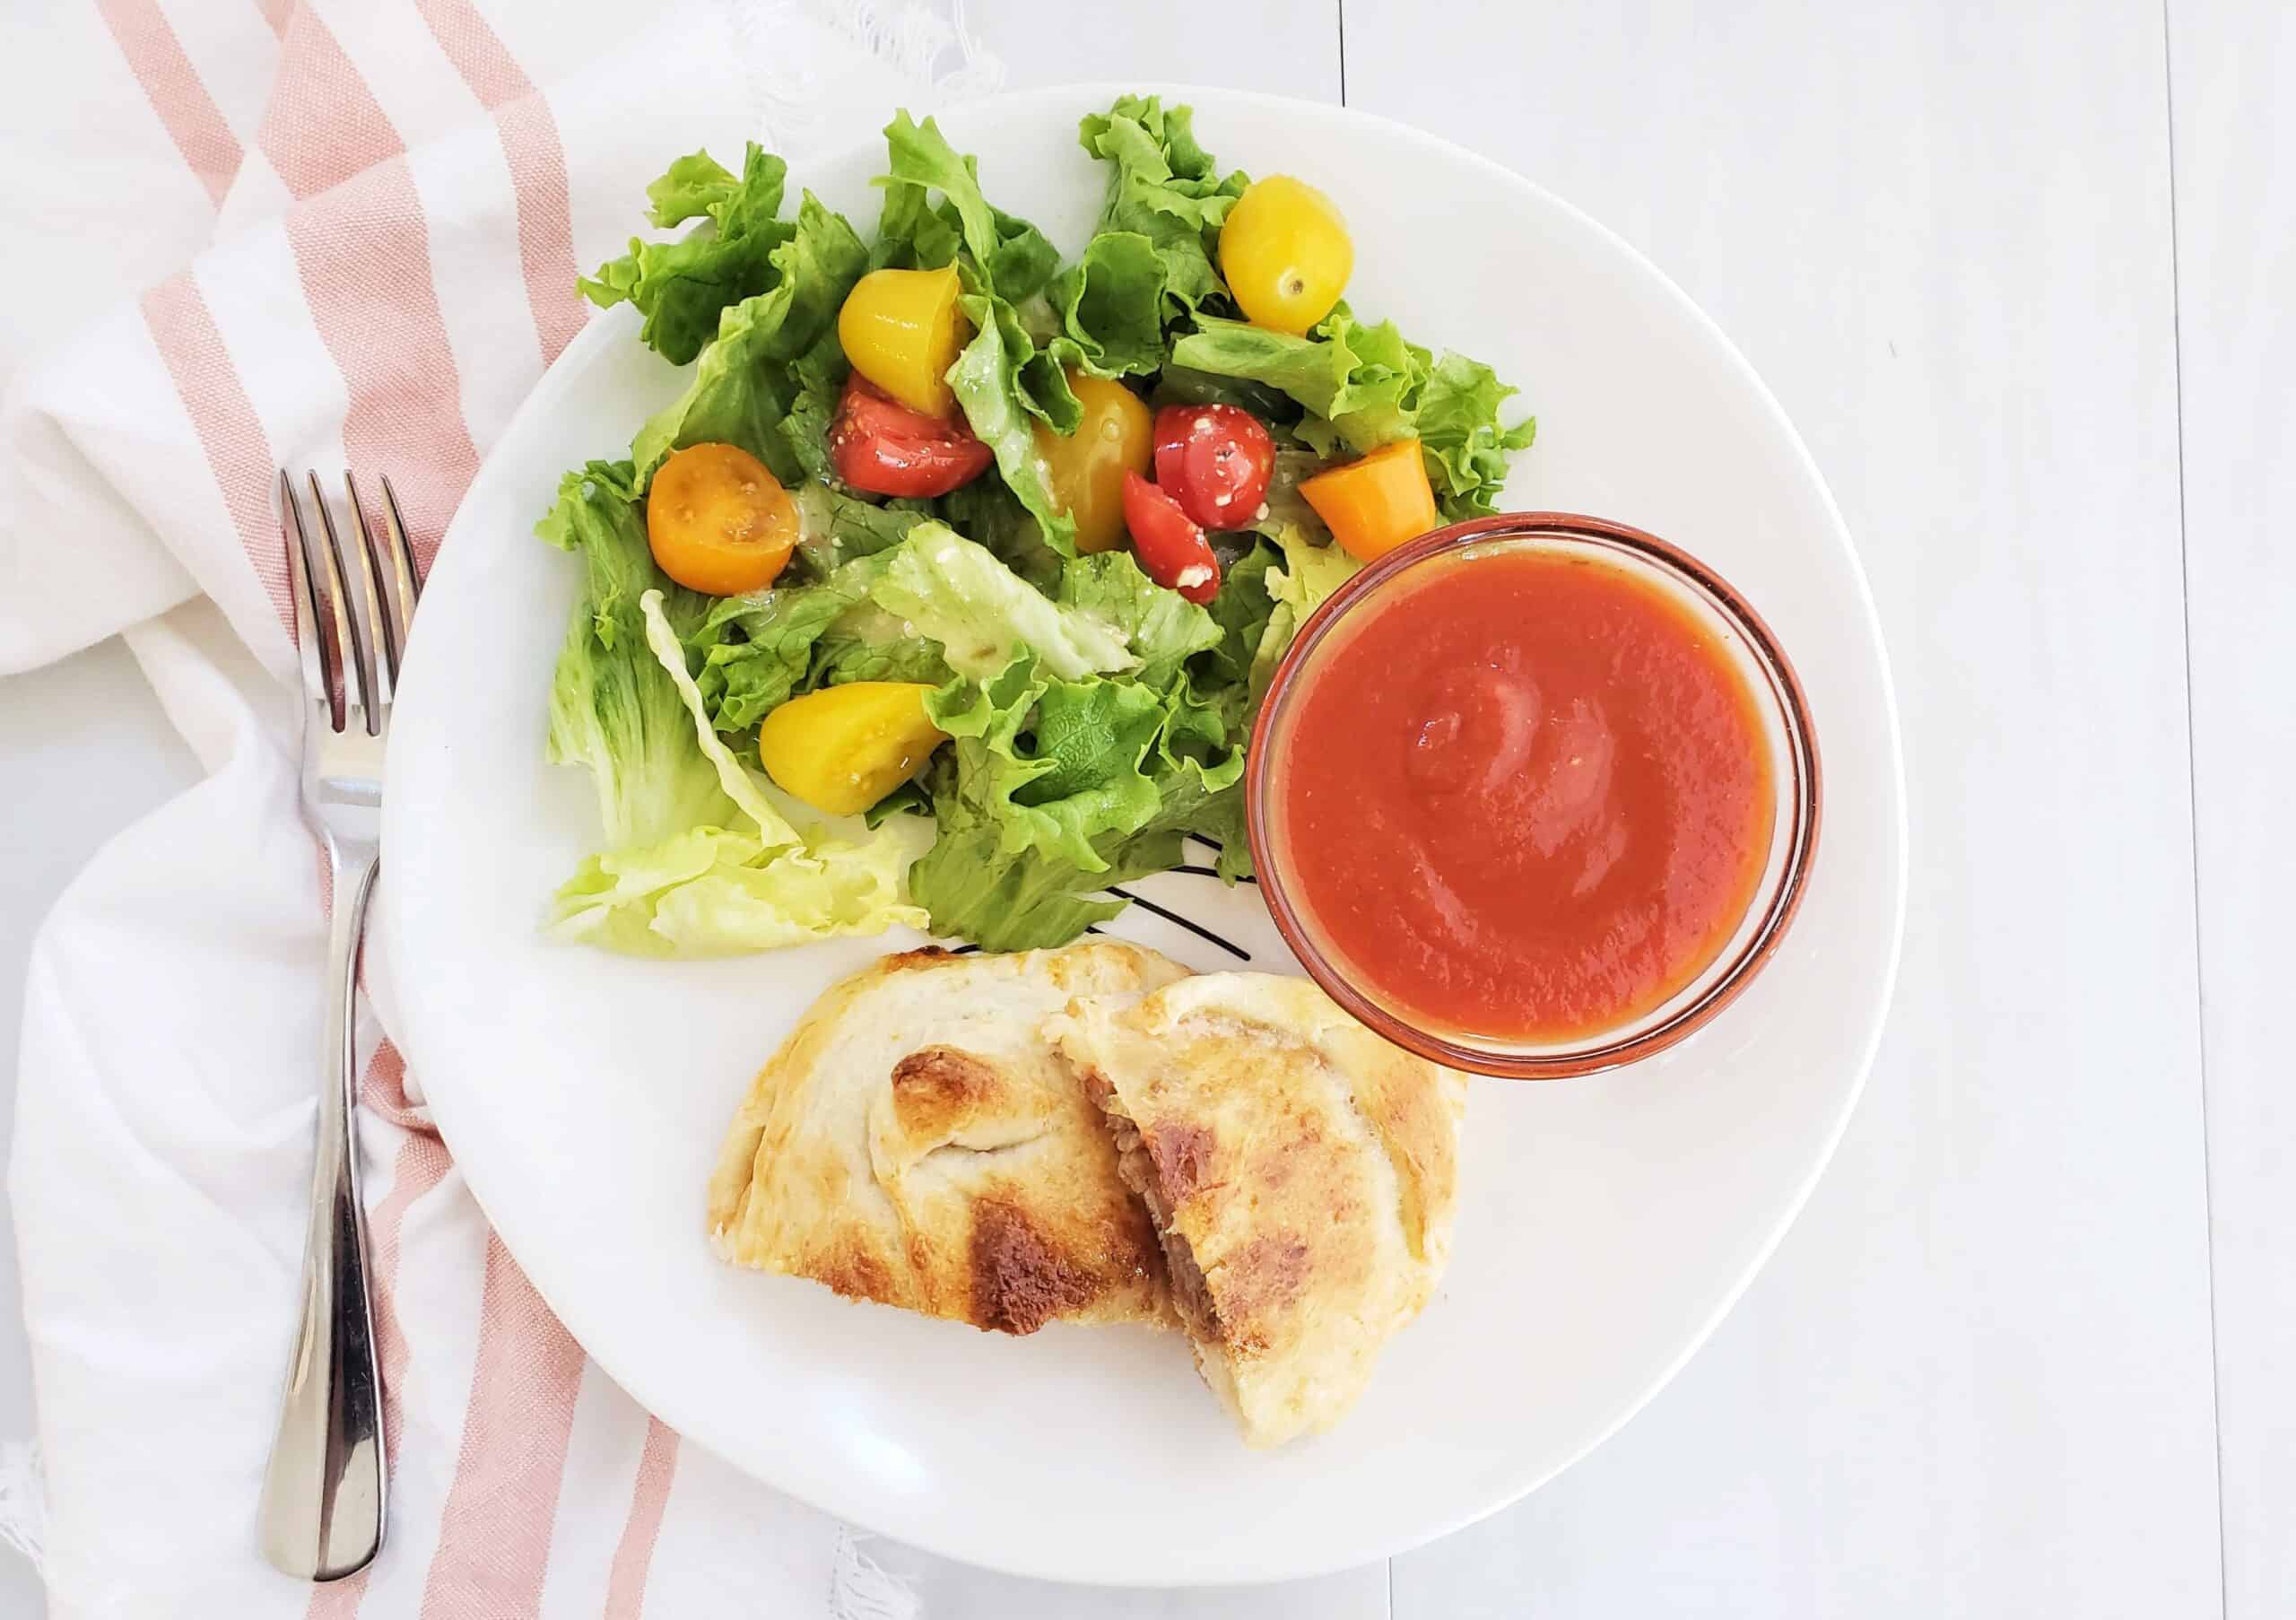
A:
947, 591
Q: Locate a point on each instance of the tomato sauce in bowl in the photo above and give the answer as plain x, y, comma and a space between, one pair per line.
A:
1533, 795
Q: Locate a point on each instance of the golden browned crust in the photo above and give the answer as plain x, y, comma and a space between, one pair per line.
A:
1020, 1279
916, 1142
1300, 1172
939, 1089
924, 956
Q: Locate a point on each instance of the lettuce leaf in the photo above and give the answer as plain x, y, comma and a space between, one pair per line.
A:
1110, 304
714, 892
817, 379
1001, 408
698, 184
1181, 385
757, 650
1311, 572
833, 528
1164, 187
1284, 507
680, 287
1161, 628
1050, 765
1052, 790
775, 874
913, 232
668, 650
1458, 429
949, 590
1239, 612
932, 606
920, 162
770, 349
1365, 380
869, 644
613, 710
989, 513
702, 857
1308, 576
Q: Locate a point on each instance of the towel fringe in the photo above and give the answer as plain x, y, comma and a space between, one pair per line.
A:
24, 1503
861, 1588
787, 94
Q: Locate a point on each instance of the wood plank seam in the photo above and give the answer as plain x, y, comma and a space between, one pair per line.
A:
2192, 791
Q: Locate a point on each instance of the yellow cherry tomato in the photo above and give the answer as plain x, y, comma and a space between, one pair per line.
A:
1285, 254
843, 748
902, 330
1086, 468
718, 521
1373, 505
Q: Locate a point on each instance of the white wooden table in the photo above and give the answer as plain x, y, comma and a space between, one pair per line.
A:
2022, 274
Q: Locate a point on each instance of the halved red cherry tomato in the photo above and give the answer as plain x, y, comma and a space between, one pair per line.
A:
1171, 549
1215, 460
880, 445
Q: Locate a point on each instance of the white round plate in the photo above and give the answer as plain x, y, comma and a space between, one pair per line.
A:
1606, 1223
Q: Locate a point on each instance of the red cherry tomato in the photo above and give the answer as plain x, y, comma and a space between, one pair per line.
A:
1215, 461
1171, 549
880, 445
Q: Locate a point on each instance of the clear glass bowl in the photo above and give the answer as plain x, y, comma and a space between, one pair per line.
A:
1794, 774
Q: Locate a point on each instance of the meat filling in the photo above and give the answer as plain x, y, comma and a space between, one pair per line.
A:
1137, 1170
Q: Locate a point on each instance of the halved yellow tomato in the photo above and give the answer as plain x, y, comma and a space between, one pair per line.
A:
843, 748
718, 520
902, 330
1086, 468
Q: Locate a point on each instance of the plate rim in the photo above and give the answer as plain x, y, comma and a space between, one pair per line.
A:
558, 381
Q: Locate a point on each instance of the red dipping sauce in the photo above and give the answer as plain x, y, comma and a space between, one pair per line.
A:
1525, 794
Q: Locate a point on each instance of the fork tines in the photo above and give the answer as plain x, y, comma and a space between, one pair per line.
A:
351, 645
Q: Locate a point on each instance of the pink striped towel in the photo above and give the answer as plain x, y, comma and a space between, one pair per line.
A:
327, 232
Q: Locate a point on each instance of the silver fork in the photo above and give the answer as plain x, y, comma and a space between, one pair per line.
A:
324, 1489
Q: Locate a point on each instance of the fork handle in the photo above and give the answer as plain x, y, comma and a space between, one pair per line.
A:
323, 1490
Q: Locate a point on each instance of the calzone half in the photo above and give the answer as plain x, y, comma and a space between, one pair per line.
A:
917, 1142
1301, 1173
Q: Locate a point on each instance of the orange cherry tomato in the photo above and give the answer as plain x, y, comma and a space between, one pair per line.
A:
1171, 549
1373, 505
718, 521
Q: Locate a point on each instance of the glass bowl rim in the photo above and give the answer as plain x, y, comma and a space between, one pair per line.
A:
1801, 796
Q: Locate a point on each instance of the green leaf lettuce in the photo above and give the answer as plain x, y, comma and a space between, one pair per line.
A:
1165, 188
771, 350
700, 857
680, 287
1054, 789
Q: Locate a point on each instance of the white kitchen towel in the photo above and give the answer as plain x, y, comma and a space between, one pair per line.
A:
329, 232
